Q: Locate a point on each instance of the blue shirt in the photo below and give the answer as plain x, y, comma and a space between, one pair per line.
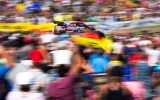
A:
127, 71
3, 71
129, 50
98, 63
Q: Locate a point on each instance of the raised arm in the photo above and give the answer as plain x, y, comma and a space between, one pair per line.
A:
76, 61
76, 65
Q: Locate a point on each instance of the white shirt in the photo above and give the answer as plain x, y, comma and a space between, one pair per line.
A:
153, 56
117, 47
36, 77
61, 57
17, 95
47, 38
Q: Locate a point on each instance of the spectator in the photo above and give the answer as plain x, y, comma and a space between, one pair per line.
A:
144, 74
39, 54
58, 90
6, 64
98, 61
115, 91
37, 78
62, 52
24, 80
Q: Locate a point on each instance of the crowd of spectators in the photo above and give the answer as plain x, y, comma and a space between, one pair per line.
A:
43, 11
51, 67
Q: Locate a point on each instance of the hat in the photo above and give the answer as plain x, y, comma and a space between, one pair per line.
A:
24, 78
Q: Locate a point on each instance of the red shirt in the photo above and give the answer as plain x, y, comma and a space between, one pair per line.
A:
35, 56
134, 57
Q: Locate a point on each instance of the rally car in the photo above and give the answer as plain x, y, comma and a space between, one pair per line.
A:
73, 26
60, 28
76, 26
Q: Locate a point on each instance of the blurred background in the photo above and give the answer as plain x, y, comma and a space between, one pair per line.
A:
79, 49
86, 10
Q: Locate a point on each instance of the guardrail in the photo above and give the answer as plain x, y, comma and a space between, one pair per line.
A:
111, 26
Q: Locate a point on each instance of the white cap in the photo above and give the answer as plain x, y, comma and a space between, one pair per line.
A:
24, 78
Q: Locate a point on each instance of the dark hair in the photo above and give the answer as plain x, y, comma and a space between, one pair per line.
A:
114, 57
84, 55
25, 88
35, 45
116, 71
44, 67
62, 70
36, 64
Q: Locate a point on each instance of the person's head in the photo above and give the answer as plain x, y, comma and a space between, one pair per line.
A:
25, 88
62, 70
24, 81
36, 65
114, 57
